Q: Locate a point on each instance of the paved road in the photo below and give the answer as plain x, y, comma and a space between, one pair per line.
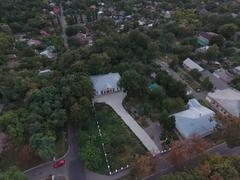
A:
73, 168
165, 67
64, 27
166, 168
217, 83
115, 101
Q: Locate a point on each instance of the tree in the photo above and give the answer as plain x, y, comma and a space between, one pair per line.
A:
82, 111
184, 150
12, 173
133, 83
212, 52
218, 40
207, 84
12, 122
195, 74
6, 41
157, 96
180, 152
229, 130
198, 145
175, 104
142, 166
228, 30
212, 168
99, 63
167, 121
218, 167
43, 145
12, 86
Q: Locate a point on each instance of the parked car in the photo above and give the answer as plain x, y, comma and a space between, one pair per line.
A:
59, 163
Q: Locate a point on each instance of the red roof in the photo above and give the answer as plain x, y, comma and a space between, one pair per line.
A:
208, 35
44, 33
56, 10
82, 38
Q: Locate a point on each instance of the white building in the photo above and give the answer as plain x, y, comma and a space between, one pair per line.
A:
237, 70
45, 72
191, 65
203, 49
197, 120
106, 83
226, 101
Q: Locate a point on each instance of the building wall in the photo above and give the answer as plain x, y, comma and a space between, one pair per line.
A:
218, 107
108, 91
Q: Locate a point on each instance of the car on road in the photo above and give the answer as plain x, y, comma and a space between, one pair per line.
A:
59, 163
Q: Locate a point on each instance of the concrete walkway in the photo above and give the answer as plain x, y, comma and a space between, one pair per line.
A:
154, 130
115, 101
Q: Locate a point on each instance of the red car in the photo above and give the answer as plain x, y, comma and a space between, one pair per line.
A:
59, 163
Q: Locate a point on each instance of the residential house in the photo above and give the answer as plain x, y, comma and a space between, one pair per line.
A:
44, 33
49, 52
191, 65
237, 70
153, 87
226, 101
45, 72
202, 49
56, 10
166, 14
82, 38
106, 83
204, 38
34, 42
197, 120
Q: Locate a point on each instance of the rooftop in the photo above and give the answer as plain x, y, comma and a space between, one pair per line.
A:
195, 120
192, 65
229, 99
105, 81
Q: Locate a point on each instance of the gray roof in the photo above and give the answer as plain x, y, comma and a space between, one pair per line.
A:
105, 81
195, 120
192, 65
229, 99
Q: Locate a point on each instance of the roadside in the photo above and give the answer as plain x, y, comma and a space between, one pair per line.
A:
165, 167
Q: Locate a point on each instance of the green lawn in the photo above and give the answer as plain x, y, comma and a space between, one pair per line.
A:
121, 143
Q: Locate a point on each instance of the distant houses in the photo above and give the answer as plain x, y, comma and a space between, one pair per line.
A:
197, 120
204, 38
191, 65
152, 87
49, 52
237, 70
45, 72
106, 83
226, 102
34, 42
